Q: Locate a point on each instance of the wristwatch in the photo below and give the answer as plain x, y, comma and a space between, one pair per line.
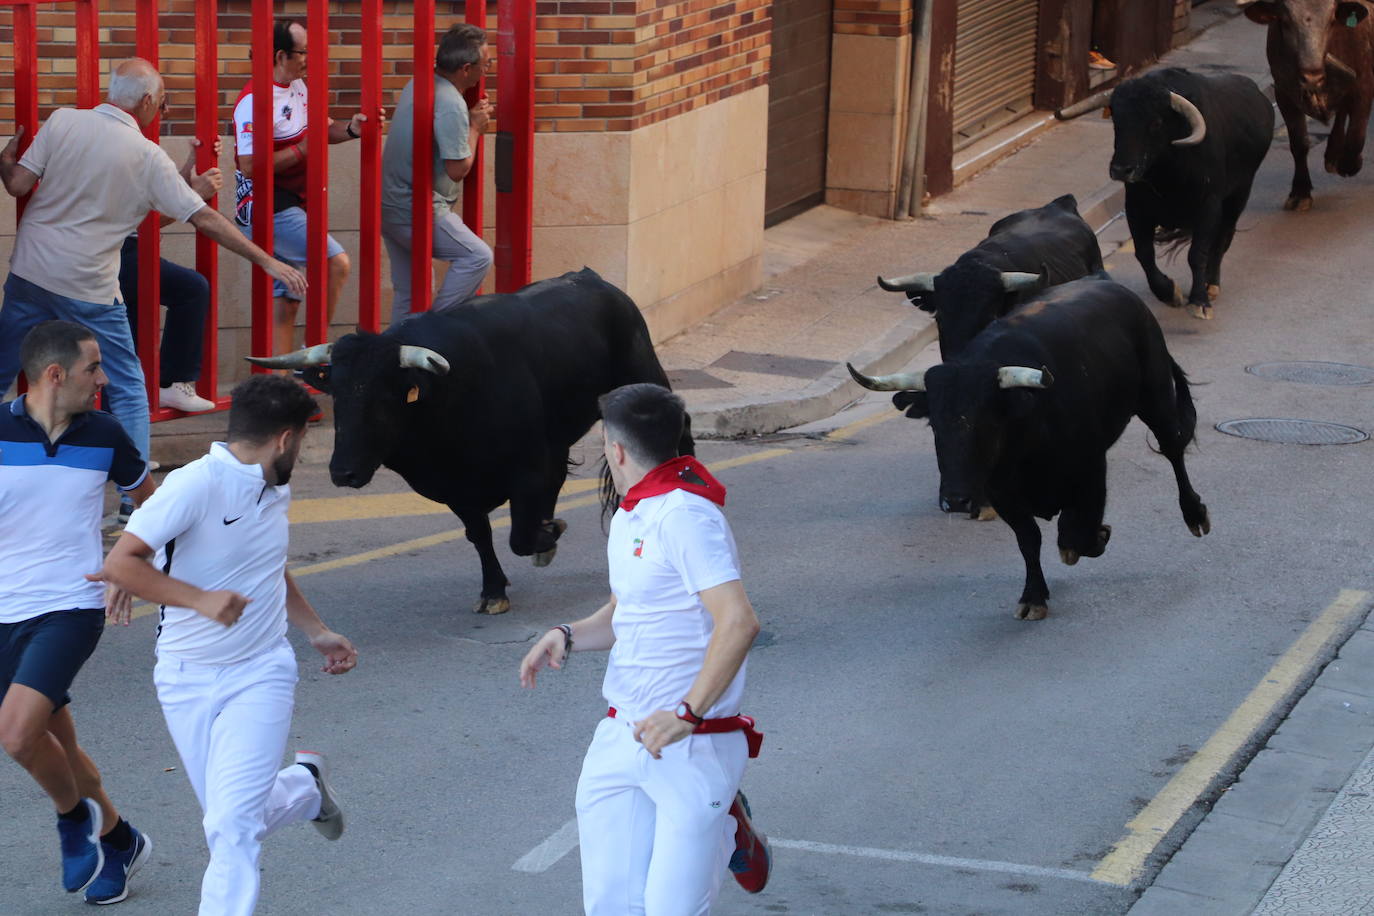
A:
684, 712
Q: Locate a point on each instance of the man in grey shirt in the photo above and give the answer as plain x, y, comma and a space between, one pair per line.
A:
459, 63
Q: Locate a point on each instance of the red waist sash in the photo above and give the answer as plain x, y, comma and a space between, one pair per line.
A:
728, 724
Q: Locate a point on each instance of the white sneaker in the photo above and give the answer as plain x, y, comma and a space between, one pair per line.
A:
182, 396
330, 821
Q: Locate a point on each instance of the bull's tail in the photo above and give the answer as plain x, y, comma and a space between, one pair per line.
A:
1172, 241
1183, 398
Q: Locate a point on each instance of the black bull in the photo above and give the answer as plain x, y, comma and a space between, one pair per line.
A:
1028, 411
1187, 147
478, 404
1024, 252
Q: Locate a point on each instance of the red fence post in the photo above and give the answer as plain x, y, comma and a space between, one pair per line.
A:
515, 144
25, 83
87, 55
474, 185
150, 233
208, 130
317, 174
370, 191
262, 23
422, 182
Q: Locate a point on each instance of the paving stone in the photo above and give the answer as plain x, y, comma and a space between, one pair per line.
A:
1328, 723
1353, 670
1163, 901
1229, 859
1285, 788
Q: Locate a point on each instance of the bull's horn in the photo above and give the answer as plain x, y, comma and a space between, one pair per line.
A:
916, 283
317, 355
1022, 377
1082, 107
1197, 127
423, 358
1340, 66
929, 334
903, 381
1015, 281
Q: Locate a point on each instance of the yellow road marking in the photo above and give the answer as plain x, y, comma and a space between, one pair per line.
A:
844, 432
1126, 863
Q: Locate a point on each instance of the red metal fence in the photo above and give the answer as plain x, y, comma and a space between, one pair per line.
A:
514, 165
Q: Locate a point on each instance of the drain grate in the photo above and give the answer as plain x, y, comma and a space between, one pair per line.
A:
1293, 432
1314, 373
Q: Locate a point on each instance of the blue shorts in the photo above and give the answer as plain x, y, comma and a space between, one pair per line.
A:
288, 244
46, 652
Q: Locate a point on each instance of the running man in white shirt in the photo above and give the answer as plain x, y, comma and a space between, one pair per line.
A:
56, 452
225, 674
659, 810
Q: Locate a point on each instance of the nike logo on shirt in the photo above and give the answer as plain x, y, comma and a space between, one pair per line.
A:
230, 521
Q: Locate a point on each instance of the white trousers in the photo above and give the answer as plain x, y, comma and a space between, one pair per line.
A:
230, 724
656, 835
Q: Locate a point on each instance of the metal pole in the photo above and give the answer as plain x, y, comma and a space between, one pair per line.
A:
370, 207
261, 343
912, 186
87, 55
474, 185
317, 174
422, 181
515, 145
25, 84
207, 129
150, 233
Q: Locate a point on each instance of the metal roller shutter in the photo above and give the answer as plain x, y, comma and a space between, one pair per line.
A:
798, 98
994, 65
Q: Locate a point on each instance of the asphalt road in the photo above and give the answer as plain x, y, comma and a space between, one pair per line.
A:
925, 752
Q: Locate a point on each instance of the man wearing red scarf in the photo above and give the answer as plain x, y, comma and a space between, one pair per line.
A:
659, 813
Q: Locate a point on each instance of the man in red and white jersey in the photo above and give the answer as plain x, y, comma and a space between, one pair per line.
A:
289, 113
660, 818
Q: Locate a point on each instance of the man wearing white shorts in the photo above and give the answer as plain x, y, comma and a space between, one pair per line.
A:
225, 673
659, 811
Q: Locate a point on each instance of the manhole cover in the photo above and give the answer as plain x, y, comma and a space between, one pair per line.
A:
1314, 373
1293, 432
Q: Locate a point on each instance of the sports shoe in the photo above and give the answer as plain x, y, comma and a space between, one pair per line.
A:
112, 885
182, 396
330, 821
82, 857
1099, 61
753, 860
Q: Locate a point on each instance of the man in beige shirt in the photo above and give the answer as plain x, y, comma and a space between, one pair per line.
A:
101, 176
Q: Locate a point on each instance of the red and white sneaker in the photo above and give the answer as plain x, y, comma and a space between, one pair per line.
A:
753, 860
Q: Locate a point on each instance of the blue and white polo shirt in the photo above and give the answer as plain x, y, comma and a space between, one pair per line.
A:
51, 498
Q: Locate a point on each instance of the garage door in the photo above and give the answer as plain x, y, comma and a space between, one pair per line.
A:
798, 96
994, 65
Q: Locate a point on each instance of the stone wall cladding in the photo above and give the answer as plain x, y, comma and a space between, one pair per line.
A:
601, 65
887, 18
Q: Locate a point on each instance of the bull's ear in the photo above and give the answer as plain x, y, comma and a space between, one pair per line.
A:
1106, 112
1266, 13
317, 377
913, 402
1351, 14
923, 301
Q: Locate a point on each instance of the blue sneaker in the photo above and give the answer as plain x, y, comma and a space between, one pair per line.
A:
82, 858
112, 885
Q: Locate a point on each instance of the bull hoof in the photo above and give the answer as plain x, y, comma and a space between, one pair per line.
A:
1176, 301
1213, 292
1069, 558
1104, 534
491, 606
554, 528
986, 514
1027, 611
1204, 526
1300, 204
544, 559
1203, 312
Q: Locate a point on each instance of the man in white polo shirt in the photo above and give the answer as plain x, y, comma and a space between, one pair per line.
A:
56, 453
100, 177
660, 782
225, 674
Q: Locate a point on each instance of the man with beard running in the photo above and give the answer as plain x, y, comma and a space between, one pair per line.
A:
225, 674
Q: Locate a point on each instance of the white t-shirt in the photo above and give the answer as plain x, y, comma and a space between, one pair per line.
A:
216, 524
662, 554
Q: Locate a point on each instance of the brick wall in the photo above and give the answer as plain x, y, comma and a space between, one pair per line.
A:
889, 18
601, 65
1182, 10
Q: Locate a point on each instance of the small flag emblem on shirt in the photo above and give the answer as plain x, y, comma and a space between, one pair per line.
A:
639, 547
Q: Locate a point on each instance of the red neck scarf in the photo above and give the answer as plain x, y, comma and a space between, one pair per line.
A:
681, 473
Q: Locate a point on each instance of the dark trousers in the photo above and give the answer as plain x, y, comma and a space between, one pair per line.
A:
186, 294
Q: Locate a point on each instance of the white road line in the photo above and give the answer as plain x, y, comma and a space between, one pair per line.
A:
544, 856
897, 855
